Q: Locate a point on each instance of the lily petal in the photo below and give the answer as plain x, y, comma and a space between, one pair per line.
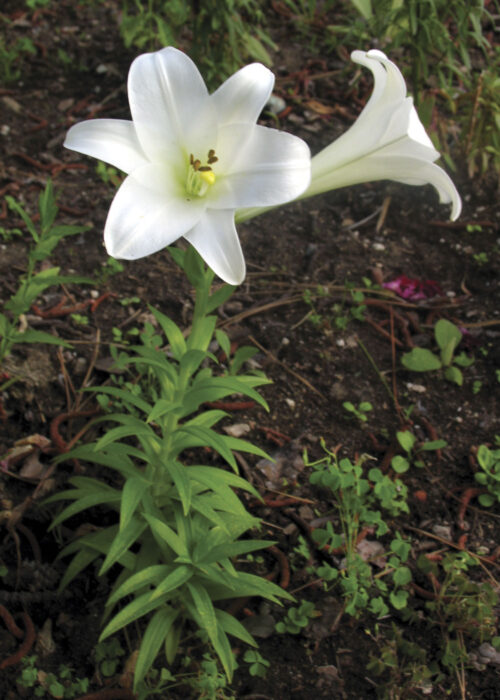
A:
264, 166
112, 140
243, 96
216, 240
410, 171
144, 218
166, 92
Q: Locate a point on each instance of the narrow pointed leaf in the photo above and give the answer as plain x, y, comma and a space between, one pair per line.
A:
125, 396
172, 333
83, 503
151, 575
205, 609
244, 446
180, 477
139, 607
79, 562
234, 549
205, 437
154, 636
132, 493
180, 575
122, 542
165, 533
232, 626
133, 427
211, 476
32, 336
219, 297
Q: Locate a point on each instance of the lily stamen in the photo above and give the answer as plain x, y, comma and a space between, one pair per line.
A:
200, 177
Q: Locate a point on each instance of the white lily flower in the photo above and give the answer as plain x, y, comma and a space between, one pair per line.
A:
386, 142
192, 159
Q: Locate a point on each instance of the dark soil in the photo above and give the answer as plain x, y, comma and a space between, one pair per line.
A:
376, 232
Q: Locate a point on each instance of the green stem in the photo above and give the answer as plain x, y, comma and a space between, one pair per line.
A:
379, 373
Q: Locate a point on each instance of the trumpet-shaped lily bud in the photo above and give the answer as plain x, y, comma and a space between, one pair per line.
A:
192, 159
386, 142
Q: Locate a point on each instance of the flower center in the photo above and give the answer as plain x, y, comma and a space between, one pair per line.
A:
200, 176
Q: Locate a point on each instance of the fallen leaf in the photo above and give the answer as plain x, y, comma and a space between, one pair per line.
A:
319, 107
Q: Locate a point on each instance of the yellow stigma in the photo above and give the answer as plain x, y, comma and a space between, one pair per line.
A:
200, 177
208, 176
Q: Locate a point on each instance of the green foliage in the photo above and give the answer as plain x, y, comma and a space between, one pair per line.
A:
11, 58
177, 527
35, 4
258, 665
210, 683
357, 497
413, 450
308, 15
349, 308
462, 609
447, 337
489, 477
45, 238
107, 656
359, 412
404, 664
206, 680
480, 258
50, 685
436, 35
109, 268
225, 33
296, 618
108, 174
476, 109
8, 234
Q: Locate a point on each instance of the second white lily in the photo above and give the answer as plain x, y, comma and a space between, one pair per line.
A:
386, 142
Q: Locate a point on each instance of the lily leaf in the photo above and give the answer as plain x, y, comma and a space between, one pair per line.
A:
154, 636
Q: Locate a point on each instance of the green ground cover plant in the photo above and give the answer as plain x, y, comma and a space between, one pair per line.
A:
447, 337
46, 237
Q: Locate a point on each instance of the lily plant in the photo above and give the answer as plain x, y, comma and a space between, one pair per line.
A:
195, 163
386, 142
192, 159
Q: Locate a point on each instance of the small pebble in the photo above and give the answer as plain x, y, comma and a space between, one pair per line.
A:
443, 531
489, 653
275, 104
80, 365
419, 388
